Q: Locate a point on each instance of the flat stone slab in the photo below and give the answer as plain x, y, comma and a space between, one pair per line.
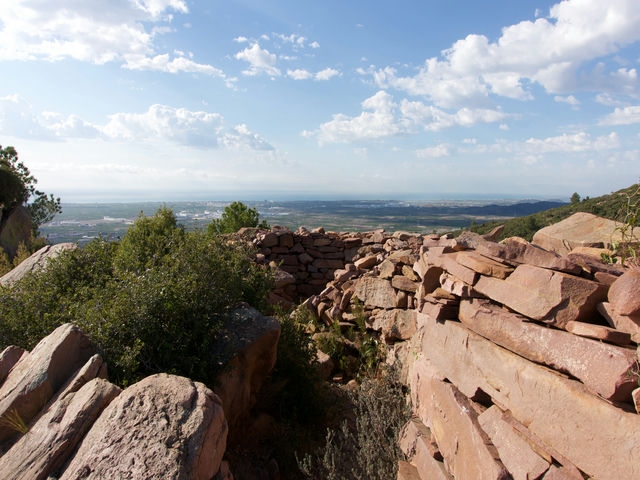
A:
602, 367
597, 437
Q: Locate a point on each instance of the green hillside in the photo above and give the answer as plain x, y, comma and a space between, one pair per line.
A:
616, 206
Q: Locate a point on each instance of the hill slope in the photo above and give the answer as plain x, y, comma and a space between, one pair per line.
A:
616, 206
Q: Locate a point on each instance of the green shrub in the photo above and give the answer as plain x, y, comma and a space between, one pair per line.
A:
153, 302
234, 217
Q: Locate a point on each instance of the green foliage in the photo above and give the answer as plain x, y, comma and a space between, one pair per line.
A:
610, 206
301, 398
153, 302
368, 447
17, 187
234, 217
575, 198
627, 247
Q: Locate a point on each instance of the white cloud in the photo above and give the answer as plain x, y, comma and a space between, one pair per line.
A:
299, 74
383, 117
579, 142
327, 74
570, 100
549, 51
260, 61
122, 31
438, 151
314, 45
322, 75
622, 116
160, 123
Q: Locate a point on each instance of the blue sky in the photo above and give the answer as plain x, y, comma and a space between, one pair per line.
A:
170, 100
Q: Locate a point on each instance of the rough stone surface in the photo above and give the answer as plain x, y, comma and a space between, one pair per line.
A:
624, 323
602, 367
579, 230
415, 442
561, 412
8, 358
394, 324
161, 427
545, 295
375, 292
515, 452
624, 294
598, 332
37, 376
464, 445
483, 265
250, 348
52, 439
36, 261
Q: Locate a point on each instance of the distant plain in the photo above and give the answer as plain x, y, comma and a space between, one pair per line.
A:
80, 222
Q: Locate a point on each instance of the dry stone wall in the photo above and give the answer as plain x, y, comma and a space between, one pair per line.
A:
522, 363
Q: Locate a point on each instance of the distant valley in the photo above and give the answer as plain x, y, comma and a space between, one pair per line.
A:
80, 222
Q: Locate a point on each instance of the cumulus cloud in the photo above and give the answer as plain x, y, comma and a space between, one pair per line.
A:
260, 60
383, 117
160, 123
622, 116
570, 100
122, 31
322, 75
555, 52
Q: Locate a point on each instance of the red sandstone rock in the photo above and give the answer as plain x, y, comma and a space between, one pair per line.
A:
545, 295
162, 427
52, 439
375, 292
403, 283
603, 368
519, 251
483, 265
449, 263
366, 262
624, 294
406, 471
465, 447
396, 324
415, 442
561, 412
516, 453
624, 323
579, 230
598, 332
37, 376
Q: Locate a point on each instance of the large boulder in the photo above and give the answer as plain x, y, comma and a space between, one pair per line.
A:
35, 262
624, 294
164, 426
579, 230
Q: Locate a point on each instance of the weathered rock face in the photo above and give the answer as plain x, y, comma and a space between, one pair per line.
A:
624, 294
37, 376
16, 229
49, 443
579, 230
162, 427
249, 346
35, 261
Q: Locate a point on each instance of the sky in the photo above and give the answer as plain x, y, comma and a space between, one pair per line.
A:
168, 100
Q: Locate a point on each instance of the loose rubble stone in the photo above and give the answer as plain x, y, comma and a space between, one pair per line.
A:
624, 294
375, 292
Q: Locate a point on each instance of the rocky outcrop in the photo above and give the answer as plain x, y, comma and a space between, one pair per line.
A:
61, 418
35, 262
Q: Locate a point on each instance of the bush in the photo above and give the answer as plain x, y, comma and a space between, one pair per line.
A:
153, 302
367, 448
236, 216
